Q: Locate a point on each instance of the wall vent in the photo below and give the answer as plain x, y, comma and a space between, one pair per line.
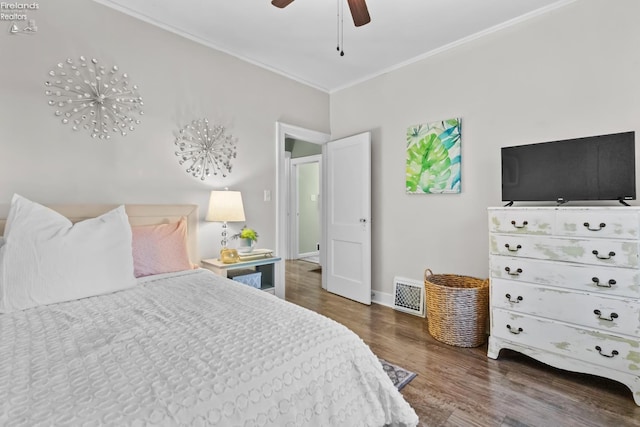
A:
408, 296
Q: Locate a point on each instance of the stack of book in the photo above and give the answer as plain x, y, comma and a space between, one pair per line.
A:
256, 254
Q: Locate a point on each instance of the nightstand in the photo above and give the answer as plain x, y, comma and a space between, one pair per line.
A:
263, 265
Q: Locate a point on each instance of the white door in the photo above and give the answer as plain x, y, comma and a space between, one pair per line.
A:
347, 266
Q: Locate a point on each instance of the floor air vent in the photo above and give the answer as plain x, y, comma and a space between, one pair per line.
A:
408, 296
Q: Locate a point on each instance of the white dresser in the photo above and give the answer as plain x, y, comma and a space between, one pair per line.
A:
565, 288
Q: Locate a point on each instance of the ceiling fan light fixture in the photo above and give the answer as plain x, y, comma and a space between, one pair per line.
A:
359, 13
359, 10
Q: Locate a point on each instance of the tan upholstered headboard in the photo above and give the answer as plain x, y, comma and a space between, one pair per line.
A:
138, 215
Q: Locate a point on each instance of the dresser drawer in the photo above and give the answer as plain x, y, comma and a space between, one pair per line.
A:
618, 253
622, 282
598, 223
521, 221
593, 311
599, 348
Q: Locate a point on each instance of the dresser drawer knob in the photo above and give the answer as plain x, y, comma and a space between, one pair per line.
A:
513, 273
510, 249
524, 224
515, 301
609, 319
611, 254
608, 284
600, 227
613, 352
514, 331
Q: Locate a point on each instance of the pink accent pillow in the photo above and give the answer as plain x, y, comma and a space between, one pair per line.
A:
160, 248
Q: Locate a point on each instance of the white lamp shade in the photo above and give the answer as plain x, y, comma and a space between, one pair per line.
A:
225, 206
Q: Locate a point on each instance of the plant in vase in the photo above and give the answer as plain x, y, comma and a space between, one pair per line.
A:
248, 238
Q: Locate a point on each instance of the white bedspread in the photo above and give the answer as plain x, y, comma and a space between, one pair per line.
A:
189, 349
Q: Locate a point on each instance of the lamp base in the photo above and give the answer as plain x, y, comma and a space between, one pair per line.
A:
229, 256
223, 242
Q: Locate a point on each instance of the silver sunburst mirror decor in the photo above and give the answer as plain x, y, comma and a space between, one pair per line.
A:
89, 96
205, 149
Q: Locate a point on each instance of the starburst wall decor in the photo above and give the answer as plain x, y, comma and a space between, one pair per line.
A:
89, 96
207, 150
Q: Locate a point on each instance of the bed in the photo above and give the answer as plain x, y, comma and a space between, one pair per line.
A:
184, 347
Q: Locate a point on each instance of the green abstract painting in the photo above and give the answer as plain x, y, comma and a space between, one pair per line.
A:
433, 157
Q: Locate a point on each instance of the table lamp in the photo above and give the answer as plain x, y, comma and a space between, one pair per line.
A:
225, 206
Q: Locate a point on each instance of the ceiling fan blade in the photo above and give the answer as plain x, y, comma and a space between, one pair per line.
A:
359, 12
281, 3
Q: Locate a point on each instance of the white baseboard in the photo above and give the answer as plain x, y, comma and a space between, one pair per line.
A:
382, 298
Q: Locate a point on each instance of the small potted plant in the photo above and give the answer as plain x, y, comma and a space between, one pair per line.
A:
248, 238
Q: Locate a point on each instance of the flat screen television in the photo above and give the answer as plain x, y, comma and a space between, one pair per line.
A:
593, 168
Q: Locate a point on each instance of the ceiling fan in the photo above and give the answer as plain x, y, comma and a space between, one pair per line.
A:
359, 10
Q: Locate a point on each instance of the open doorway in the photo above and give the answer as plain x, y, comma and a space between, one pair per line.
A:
305, 219
289, 136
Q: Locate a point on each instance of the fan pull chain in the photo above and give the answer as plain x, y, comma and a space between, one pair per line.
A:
340, 27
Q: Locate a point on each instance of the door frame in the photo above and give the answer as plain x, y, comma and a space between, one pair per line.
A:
284, 130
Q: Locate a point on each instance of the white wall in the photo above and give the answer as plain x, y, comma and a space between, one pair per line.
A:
569, 73
179, 80
572, 72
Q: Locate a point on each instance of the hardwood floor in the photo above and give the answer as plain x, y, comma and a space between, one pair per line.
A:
463, 387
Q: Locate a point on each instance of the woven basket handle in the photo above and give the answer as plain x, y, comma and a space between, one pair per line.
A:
427, 273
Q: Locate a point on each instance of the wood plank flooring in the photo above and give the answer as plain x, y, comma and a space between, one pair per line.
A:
463, 387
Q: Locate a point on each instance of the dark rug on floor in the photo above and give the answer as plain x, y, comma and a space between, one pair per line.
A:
317, 270
399, 376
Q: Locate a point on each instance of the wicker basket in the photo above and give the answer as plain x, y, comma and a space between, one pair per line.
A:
457, 308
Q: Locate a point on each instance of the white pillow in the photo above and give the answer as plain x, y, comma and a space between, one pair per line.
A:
47, 259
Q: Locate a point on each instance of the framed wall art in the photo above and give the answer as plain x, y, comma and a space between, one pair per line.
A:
433, 157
